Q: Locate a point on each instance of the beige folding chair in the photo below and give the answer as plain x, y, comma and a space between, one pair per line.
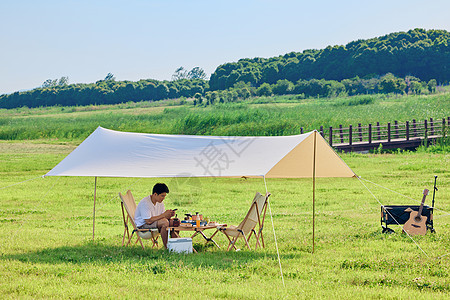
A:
246, 228
130, 207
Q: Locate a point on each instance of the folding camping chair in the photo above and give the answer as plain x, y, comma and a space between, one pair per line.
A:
399, 215
146, 234
246, 228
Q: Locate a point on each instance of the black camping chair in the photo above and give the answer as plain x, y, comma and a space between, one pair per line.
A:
399, 214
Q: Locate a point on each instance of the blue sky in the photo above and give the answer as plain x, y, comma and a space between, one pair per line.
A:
141, 39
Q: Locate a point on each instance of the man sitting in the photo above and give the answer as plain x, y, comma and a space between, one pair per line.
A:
150, 212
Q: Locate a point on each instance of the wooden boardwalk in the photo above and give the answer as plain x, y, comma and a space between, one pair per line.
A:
407, 135
393, 144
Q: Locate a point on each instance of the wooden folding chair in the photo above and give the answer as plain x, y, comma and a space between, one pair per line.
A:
246, 228
127, 202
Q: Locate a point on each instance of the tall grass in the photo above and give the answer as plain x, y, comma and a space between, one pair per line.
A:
260, 116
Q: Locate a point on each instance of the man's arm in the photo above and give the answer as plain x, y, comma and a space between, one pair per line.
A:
165, 215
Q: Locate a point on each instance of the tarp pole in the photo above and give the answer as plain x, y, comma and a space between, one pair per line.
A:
314, 191
93, 217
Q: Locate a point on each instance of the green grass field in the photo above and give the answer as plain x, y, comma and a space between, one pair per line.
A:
46, 246
47, 249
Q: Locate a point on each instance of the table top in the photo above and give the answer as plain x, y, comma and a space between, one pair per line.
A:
195, 228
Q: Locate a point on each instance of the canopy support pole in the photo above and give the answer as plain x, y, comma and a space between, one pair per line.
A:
93, 217
314, 192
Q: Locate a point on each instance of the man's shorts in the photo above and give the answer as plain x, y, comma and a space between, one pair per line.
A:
149, 226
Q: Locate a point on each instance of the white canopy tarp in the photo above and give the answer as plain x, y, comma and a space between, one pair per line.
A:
109, 153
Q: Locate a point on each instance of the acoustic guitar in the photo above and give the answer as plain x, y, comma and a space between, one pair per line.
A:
416, 225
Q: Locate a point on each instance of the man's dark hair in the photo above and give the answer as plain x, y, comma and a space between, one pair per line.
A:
160, 188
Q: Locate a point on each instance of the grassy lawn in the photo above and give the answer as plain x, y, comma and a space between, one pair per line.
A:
47, 249
282, 115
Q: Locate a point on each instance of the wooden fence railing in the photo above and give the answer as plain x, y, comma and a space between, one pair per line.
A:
391, 135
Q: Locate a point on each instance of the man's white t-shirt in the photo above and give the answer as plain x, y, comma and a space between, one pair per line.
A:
146, 210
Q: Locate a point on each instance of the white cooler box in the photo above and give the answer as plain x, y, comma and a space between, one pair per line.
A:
180, 245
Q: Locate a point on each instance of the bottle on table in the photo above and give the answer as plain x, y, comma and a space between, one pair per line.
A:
197, 220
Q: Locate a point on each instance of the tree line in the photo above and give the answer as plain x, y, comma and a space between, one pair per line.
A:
107, 91
404, 62
420, 53
386, 84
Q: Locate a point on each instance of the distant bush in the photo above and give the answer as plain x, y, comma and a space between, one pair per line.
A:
356, 100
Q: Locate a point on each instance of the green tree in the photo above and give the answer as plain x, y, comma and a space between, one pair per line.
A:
148, 91
269, 73
391, 84
233, 95
416, 87
432, 85
213, 97
334, 88
63, 81
110, 77
264, 90
244, 93
387, 84
198, 98
162, 92
197, 73
50, 83
179, 74
283, 87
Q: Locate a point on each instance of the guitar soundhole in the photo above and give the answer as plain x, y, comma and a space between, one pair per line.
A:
417, 219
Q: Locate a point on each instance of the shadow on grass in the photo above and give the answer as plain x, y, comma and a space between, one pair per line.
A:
101, 254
